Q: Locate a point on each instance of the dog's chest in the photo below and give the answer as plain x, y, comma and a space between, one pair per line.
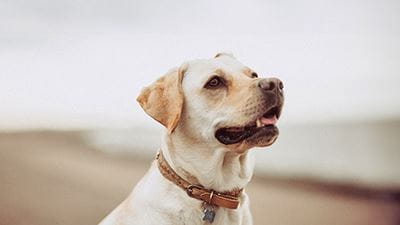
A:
195, 217
160, 198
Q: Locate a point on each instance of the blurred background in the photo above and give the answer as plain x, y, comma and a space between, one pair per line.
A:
73, 140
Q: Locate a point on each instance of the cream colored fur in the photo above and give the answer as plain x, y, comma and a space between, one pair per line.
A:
191, 116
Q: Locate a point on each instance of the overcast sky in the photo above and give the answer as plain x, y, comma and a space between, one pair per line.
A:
69, 64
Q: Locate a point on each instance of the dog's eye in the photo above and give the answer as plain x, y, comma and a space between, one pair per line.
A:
214, 82
254, 75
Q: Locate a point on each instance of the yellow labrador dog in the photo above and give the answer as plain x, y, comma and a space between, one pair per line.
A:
214, 111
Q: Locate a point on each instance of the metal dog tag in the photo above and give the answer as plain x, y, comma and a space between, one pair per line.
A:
209, 213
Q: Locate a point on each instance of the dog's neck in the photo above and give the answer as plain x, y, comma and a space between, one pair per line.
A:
215, 168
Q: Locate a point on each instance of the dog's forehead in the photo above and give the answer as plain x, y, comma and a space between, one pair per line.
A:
201, 69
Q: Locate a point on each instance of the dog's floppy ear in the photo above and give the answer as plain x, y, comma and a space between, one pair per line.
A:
163, 99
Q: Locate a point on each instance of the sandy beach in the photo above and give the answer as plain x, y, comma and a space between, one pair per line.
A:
55, 178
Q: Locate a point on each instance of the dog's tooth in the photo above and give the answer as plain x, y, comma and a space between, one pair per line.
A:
258, 122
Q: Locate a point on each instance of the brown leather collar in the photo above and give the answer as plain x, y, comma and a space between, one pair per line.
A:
228, 200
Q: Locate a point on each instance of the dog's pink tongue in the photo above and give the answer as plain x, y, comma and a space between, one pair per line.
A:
269, 121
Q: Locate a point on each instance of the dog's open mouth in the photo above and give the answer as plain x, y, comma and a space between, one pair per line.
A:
263, 125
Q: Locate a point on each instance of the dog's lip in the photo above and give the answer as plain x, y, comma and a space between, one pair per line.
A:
228, 136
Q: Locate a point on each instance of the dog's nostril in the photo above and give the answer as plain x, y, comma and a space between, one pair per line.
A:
268, 84
280, 85
271, 86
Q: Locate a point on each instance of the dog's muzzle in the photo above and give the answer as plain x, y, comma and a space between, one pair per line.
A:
265, 124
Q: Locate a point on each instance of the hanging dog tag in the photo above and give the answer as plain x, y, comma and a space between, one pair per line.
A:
209, 212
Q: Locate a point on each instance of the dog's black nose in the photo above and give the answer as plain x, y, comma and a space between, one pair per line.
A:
270, 84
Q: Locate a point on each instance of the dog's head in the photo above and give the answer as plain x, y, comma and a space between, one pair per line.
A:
219, 101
